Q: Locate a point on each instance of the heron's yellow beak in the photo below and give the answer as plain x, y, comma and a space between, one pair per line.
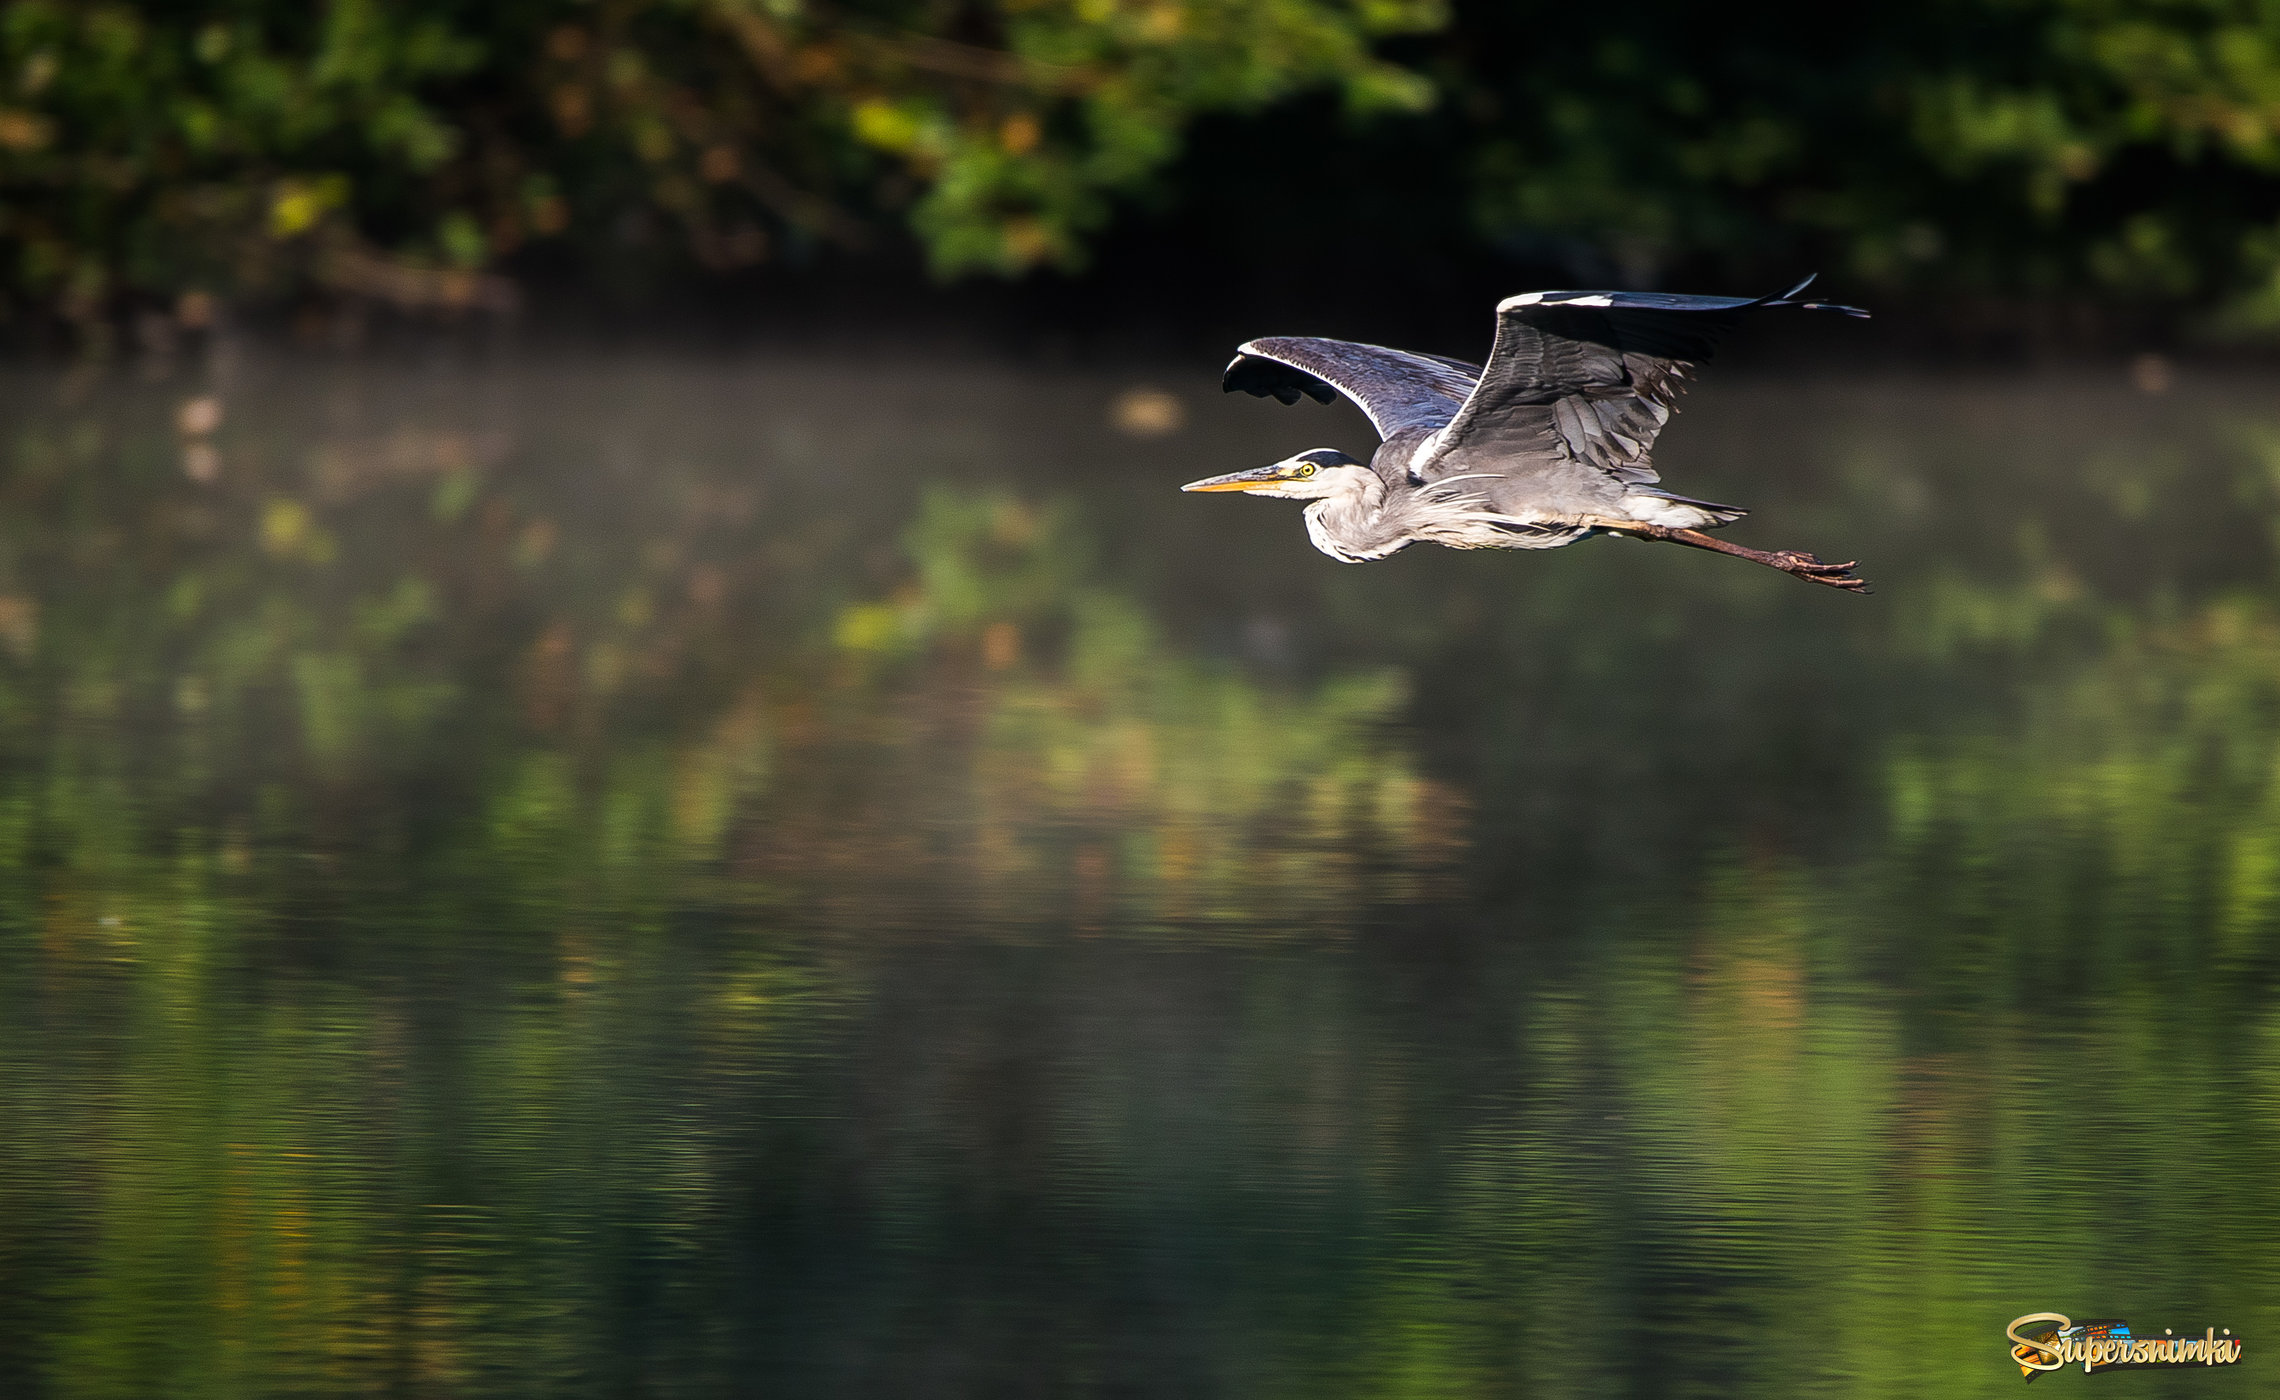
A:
1242, 481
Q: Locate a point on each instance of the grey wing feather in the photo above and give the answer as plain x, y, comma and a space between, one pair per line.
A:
1399, 389
1609, 366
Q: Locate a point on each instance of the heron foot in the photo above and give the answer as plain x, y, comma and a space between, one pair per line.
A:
1813, 570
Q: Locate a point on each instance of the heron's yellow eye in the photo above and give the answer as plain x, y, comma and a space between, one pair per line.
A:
1307, 470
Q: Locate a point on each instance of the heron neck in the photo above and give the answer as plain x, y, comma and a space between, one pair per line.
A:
1350, 526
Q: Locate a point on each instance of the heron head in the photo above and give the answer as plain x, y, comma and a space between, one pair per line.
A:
1313, 475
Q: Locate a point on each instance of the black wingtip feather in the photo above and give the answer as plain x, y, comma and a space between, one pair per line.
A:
1271, 379
1789, 298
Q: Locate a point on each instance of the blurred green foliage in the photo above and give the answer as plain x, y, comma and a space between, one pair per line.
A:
2122, 152
396, 149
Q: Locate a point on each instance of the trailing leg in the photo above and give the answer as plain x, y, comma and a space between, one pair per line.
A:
1789, 561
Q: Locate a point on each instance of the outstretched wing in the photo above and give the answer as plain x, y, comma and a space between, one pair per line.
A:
1605, 364
1398, 389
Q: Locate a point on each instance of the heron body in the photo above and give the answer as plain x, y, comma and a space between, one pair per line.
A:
1546, 444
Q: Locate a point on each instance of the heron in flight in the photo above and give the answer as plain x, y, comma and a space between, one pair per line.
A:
1545, 445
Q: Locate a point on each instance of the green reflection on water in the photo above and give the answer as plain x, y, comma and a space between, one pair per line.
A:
521, 889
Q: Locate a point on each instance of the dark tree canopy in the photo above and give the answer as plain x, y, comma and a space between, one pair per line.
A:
2117, 151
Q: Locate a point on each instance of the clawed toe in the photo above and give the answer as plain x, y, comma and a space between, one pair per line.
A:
1813, 570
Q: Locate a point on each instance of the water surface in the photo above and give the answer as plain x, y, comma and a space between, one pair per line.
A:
679, 878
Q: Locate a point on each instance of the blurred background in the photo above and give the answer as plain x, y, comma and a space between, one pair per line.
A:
621, 773
1995, 174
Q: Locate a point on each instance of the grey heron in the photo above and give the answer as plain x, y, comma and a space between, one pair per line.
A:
1545, 445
